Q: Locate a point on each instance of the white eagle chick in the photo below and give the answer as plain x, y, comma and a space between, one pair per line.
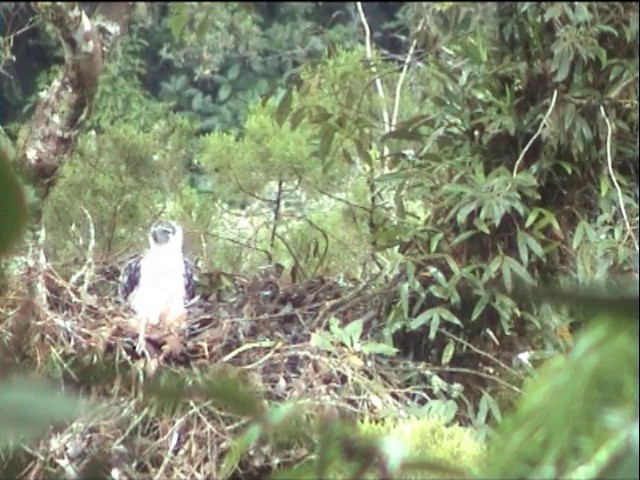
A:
159, 284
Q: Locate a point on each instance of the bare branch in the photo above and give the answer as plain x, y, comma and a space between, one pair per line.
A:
537, 134
403, 73
615, 181
367, 33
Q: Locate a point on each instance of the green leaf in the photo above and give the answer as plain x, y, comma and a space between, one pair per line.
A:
522, 248
480, 305
448, 316
421, 319
434, 241
462, 237
519, 270
493, 267
319, 115
506, 275
464, 212
13, 207
177, 19
297, 117
233, 71
532, 217
379, 349
434, 324
448, 352
353, 330
577, 236
327, 133
564, 64
284, 107
224, 92
28, 409
533, 245
322, 341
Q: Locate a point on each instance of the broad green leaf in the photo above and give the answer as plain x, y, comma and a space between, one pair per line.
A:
564, 64
233, 71
224, 92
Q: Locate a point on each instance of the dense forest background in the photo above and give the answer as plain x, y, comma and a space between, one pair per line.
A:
446, 156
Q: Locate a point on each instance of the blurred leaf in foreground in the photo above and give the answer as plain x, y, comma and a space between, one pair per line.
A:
578, 417
29, 408
13, 209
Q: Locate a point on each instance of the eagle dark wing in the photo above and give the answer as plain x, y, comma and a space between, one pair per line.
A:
130, 276
189, 280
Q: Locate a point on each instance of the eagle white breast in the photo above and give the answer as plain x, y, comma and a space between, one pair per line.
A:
161, 281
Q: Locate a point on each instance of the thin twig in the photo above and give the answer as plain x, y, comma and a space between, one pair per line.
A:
403, 73
378, 82
615, 182
537, 134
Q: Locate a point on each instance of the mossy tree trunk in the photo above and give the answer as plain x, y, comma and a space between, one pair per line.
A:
58, 118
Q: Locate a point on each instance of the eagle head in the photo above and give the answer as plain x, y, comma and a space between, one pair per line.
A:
165, 233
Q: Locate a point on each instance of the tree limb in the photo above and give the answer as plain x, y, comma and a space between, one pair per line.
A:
55, 126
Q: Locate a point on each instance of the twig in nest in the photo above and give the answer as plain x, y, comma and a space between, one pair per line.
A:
537, 134
615, 182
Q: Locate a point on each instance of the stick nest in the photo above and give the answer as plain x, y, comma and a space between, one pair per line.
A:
260, 328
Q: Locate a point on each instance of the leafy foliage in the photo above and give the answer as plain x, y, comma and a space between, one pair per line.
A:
123, 180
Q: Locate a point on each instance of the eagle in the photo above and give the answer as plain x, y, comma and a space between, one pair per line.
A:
159, 284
